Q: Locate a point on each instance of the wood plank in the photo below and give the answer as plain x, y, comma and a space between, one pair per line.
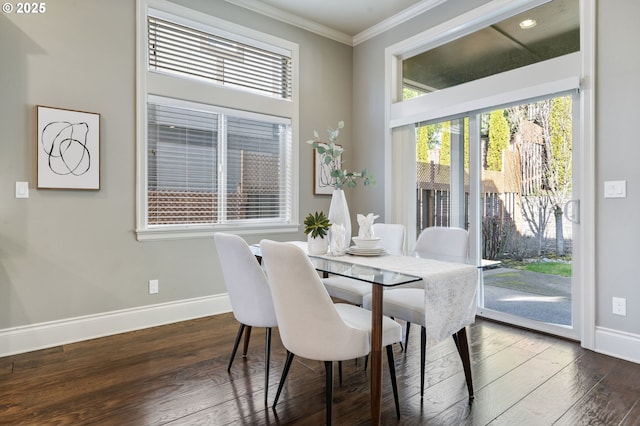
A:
552, 399
611, 401
501, 394
176, 374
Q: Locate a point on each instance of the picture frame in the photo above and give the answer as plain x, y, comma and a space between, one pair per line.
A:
68, 147
322, 180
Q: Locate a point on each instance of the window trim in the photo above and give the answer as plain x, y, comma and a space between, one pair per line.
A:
148, 83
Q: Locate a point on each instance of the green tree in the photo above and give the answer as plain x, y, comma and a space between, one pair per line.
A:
445, 144
560, 142
426, 139
409, 93
555, 119
422, 145
498, 139
466, 143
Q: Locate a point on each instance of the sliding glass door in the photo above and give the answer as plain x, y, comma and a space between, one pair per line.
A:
524, 212
528, 214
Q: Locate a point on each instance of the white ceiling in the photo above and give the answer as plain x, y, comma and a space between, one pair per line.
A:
348, 21
348, 16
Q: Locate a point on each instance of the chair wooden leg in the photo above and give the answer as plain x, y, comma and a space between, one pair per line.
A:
235, 345
328, 366
267, 358
247, 336
285, 371
392, 373
463, 349
423, 348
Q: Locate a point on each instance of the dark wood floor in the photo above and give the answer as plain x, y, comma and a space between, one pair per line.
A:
176, 374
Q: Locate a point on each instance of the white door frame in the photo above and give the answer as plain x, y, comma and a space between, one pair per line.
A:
557, 75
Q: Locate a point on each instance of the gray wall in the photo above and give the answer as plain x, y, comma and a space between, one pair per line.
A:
617, 155
67, 253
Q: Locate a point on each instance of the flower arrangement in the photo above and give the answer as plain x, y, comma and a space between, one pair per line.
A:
331, 154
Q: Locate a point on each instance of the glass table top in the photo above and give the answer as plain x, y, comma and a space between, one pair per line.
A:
343, 268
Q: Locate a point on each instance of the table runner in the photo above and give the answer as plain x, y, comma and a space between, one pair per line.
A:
450, 290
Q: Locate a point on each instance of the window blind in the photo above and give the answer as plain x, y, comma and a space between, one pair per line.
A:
208, 167
193, 53
181, 159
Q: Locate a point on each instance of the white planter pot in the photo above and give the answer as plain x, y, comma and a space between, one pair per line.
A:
317, 246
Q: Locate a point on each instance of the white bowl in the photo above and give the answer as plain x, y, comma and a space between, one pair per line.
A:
366, 243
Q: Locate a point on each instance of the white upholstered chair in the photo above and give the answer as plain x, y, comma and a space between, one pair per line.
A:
311, 325
443, 243
249, 294
440, 243
392, 237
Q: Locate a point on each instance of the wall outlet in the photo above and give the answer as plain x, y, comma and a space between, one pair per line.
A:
619, 306
153, 287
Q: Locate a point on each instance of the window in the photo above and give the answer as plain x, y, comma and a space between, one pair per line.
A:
184, 148
547, 31
215, 150
191, 53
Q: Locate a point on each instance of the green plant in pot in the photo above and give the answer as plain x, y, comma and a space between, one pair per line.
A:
316, 226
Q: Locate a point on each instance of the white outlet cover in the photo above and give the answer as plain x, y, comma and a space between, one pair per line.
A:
619, 306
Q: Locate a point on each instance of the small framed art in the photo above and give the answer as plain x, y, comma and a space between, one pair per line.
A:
323, 183
68, 149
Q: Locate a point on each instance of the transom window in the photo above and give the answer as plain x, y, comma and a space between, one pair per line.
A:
188, 52
547, 31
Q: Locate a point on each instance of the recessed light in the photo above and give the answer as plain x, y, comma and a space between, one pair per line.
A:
528, 23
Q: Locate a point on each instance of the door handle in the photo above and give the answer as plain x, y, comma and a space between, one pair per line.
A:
572, 211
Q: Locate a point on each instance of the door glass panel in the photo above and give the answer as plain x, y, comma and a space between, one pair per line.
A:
442, 174
526, 182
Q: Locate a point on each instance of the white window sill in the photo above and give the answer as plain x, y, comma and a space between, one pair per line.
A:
182, 232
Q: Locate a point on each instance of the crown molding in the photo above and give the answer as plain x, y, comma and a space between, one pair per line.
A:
395, 20
325, 31
295, 20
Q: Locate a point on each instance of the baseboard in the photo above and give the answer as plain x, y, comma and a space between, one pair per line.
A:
618, 344
45, 335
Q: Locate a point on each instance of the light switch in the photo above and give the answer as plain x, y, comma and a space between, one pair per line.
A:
22, 189
615, 189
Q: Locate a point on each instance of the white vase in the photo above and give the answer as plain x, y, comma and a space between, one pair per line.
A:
317, 245
340, 230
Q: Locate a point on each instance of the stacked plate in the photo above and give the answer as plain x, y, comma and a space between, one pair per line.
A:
359, 251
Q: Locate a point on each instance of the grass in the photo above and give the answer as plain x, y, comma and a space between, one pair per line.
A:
553, 268
513, 278
548, 267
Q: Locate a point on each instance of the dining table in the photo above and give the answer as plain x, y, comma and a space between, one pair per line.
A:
450, 300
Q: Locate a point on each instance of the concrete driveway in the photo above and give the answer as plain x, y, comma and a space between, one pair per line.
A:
541, 297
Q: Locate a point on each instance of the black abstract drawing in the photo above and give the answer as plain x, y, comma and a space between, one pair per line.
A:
68, 149
65, 146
